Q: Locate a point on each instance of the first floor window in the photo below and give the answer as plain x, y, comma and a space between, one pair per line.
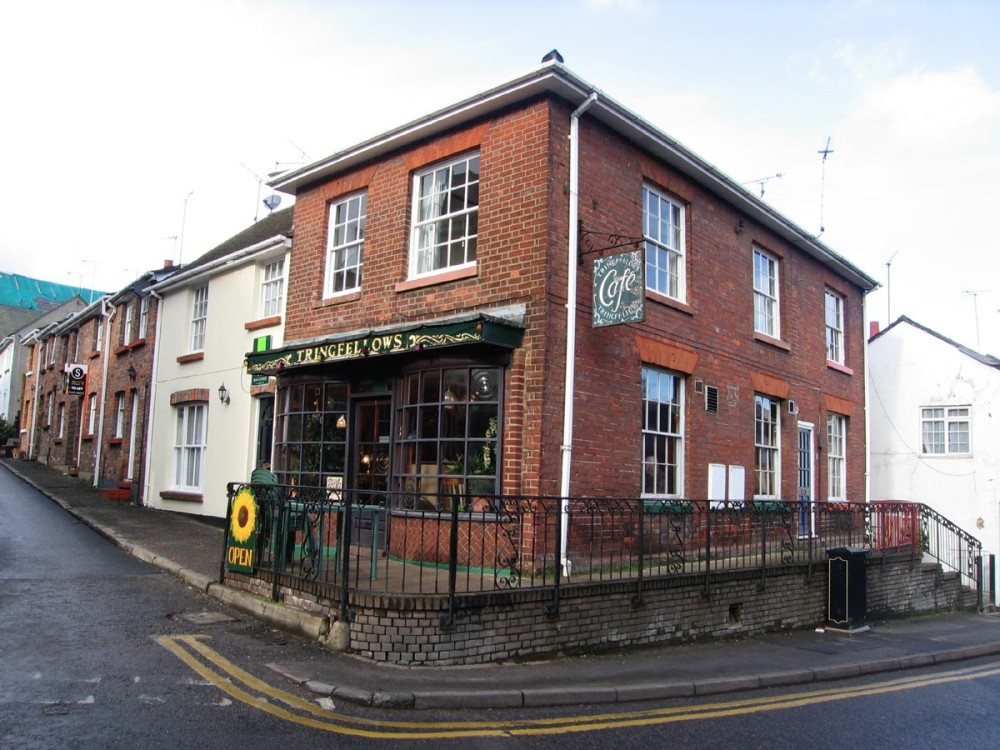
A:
199, 319
92, 414
189, 447
663, 229
445, 216
662, 433
765, 294
346, 244
62, 420
119, 415
945, 429
272, 288
836, 456
767, 447
143, 317
834, 327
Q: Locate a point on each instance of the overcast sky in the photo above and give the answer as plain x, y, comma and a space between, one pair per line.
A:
135, 132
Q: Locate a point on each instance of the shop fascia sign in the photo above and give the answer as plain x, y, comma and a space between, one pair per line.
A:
388, 342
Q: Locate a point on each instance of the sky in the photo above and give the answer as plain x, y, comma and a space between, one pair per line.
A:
135, 133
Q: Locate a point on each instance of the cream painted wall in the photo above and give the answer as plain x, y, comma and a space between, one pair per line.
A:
233, 301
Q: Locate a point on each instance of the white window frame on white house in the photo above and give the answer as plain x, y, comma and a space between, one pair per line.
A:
272, 288
946, 430
199, 318
345, 243
119, 415
189, 447
767, 447
663, 230
662, 433
445, 217
92, 414
834, 313
766, 298
143, 317
836, 457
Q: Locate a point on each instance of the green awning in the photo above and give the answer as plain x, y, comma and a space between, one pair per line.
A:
479, 329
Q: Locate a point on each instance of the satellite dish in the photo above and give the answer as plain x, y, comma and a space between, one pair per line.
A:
272, 202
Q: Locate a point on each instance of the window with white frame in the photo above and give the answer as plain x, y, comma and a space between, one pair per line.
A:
836, 457
143, 317
346, 244
272, 288
189, 447
52, 350
945, 430
445, 216
199, 319
662, 433
765, 294
663, 229
127, 323
62, 420
767, 446
119, 415
99, 333
50, 404
92, 414
834, 327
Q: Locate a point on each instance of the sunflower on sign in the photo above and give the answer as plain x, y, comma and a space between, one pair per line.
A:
244, 518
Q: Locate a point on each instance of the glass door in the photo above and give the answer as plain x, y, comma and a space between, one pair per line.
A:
805, 494
371, 435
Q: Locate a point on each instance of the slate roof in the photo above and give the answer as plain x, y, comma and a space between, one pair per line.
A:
278, 222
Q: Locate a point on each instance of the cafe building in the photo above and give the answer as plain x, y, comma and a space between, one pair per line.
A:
536, 292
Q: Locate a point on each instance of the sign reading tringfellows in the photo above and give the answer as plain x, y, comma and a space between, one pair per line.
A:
619, 289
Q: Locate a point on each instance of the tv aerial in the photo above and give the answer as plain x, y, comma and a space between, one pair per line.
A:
825, 151
762, 181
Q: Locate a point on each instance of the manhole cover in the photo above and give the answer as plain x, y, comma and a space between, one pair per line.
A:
207, 618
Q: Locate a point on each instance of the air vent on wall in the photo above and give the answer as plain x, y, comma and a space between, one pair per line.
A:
711, 398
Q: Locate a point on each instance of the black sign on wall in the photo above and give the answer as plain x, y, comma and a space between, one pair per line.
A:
619, 289
76, 379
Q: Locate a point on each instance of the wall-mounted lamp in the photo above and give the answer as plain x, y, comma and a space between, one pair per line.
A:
342, 422
131, 372
740, 227
223, 394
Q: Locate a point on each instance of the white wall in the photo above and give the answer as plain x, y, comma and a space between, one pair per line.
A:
233, 301
910, 368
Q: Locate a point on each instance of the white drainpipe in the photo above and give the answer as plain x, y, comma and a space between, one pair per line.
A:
571, 273
103, 400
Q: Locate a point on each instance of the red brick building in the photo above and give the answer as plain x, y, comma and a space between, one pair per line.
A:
426, 329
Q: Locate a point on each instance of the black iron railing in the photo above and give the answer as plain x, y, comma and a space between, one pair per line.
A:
330, 542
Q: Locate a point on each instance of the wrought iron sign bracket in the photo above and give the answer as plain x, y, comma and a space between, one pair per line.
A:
586, 242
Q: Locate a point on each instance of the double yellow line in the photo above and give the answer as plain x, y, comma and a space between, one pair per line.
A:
244, 687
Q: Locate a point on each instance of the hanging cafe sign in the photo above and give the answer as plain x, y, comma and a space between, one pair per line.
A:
619, 279
391, 341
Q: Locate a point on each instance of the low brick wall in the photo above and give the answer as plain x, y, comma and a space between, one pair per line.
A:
517, 624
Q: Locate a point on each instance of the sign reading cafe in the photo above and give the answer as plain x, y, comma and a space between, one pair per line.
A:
619, 289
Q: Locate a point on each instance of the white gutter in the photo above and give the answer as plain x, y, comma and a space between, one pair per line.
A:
34, 403
571, 274
104, 387
151, 406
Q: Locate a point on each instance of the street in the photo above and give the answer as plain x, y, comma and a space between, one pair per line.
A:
101, 650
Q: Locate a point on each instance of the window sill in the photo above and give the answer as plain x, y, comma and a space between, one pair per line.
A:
115, 441
57, 441
184, 497
256, 325
839, 367
137, 343
771, 341
94, 354
87, 438
341, 299
439, 278
194, 357
669, 302
123, 349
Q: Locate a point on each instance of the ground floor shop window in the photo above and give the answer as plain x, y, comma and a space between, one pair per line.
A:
310, 434
447, 436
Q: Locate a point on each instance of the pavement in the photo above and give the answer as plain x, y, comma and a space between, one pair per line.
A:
191, 549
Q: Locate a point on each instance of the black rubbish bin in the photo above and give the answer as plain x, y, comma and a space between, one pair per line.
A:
848, 590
